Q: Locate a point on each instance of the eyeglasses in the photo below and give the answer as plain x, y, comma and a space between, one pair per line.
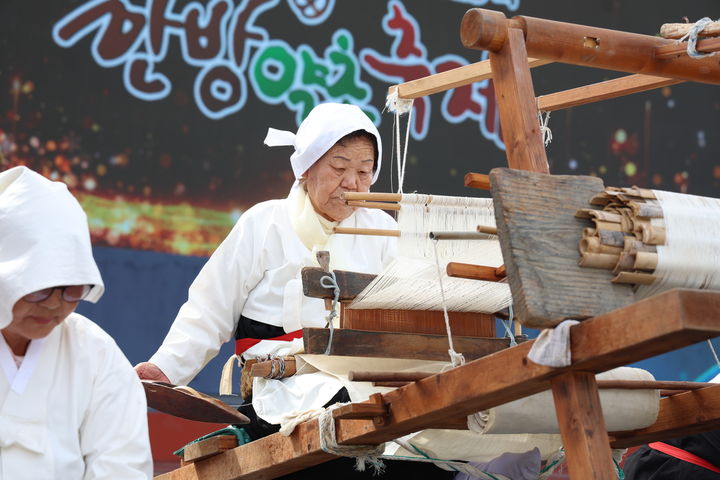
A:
69, 293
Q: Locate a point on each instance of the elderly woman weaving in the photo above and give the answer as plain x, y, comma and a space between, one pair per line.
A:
251, 285
72, 406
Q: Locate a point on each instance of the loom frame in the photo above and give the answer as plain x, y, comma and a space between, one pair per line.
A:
640, 330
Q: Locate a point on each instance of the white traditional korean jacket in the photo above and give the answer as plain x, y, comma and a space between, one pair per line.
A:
255, 272
74, 410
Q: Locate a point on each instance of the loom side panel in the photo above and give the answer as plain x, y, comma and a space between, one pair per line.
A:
539, 238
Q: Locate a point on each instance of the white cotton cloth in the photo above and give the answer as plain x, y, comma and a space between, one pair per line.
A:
552, 346
322, 128
44, 239
79, 413
255, 272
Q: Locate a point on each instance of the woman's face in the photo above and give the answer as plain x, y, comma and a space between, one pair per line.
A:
36, 320
346, 167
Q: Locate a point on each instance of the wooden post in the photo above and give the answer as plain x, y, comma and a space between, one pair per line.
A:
517, 105
585, 439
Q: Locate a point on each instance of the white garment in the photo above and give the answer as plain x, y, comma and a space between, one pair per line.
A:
44, 239
81, 414
256, 272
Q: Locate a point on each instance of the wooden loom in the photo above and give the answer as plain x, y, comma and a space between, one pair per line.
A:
613, 335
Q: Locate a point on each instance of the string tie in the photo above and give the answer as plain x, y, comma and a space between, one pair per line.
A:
692, 38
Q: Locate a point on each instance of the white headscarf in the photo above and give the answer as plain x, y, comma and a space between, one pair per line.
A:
324, 126
44, 240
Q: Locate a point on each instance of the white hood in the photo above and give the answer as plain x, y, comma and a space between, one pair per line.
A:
44, 239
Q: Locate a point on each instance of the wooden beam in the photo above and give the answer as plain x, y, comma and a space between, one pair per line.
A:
539, 237
517, 105
602, 91
583, 45
207, 448
359, 343
666, 322
457, 77
266, 369
683, 414
473, 272
708, 45
582, 426
679, 30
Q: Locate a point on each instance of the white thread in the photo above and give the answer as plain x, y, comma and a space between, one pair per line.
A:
456, 358
692, 38
400, 106
363, 453
545, 127
410, 281
690, 257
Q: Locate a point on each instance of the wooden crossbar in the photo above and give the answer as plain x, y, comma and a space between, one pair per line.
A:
457, 77
602, 91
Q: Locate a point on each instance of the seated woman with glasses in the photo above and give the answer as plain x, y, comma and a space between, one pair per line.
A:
70, 404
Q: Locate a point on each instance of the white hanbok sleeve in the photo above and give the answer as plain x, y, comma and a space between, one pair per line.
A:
215, 300
114, 438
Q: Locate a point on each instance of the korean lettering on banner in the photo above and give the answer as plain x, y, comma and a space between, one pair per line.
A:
229, 50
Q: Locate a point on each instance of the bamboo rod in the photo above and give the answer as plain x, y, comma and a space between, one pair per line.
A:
596, 92
461, 236
679, 30
634, 278
487, 229
598, 260
367, 231
646, 261
457, 77
378, 205
374, 196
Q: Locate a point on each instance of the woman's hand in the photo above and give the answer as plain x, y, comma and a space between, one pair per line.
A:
150, 371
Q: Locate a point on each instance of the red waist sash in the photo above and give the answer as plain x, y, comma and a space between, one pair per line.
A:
242, 344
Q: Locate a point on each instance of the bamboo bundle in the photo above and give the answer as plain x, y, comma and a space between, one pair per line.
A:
625, 236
